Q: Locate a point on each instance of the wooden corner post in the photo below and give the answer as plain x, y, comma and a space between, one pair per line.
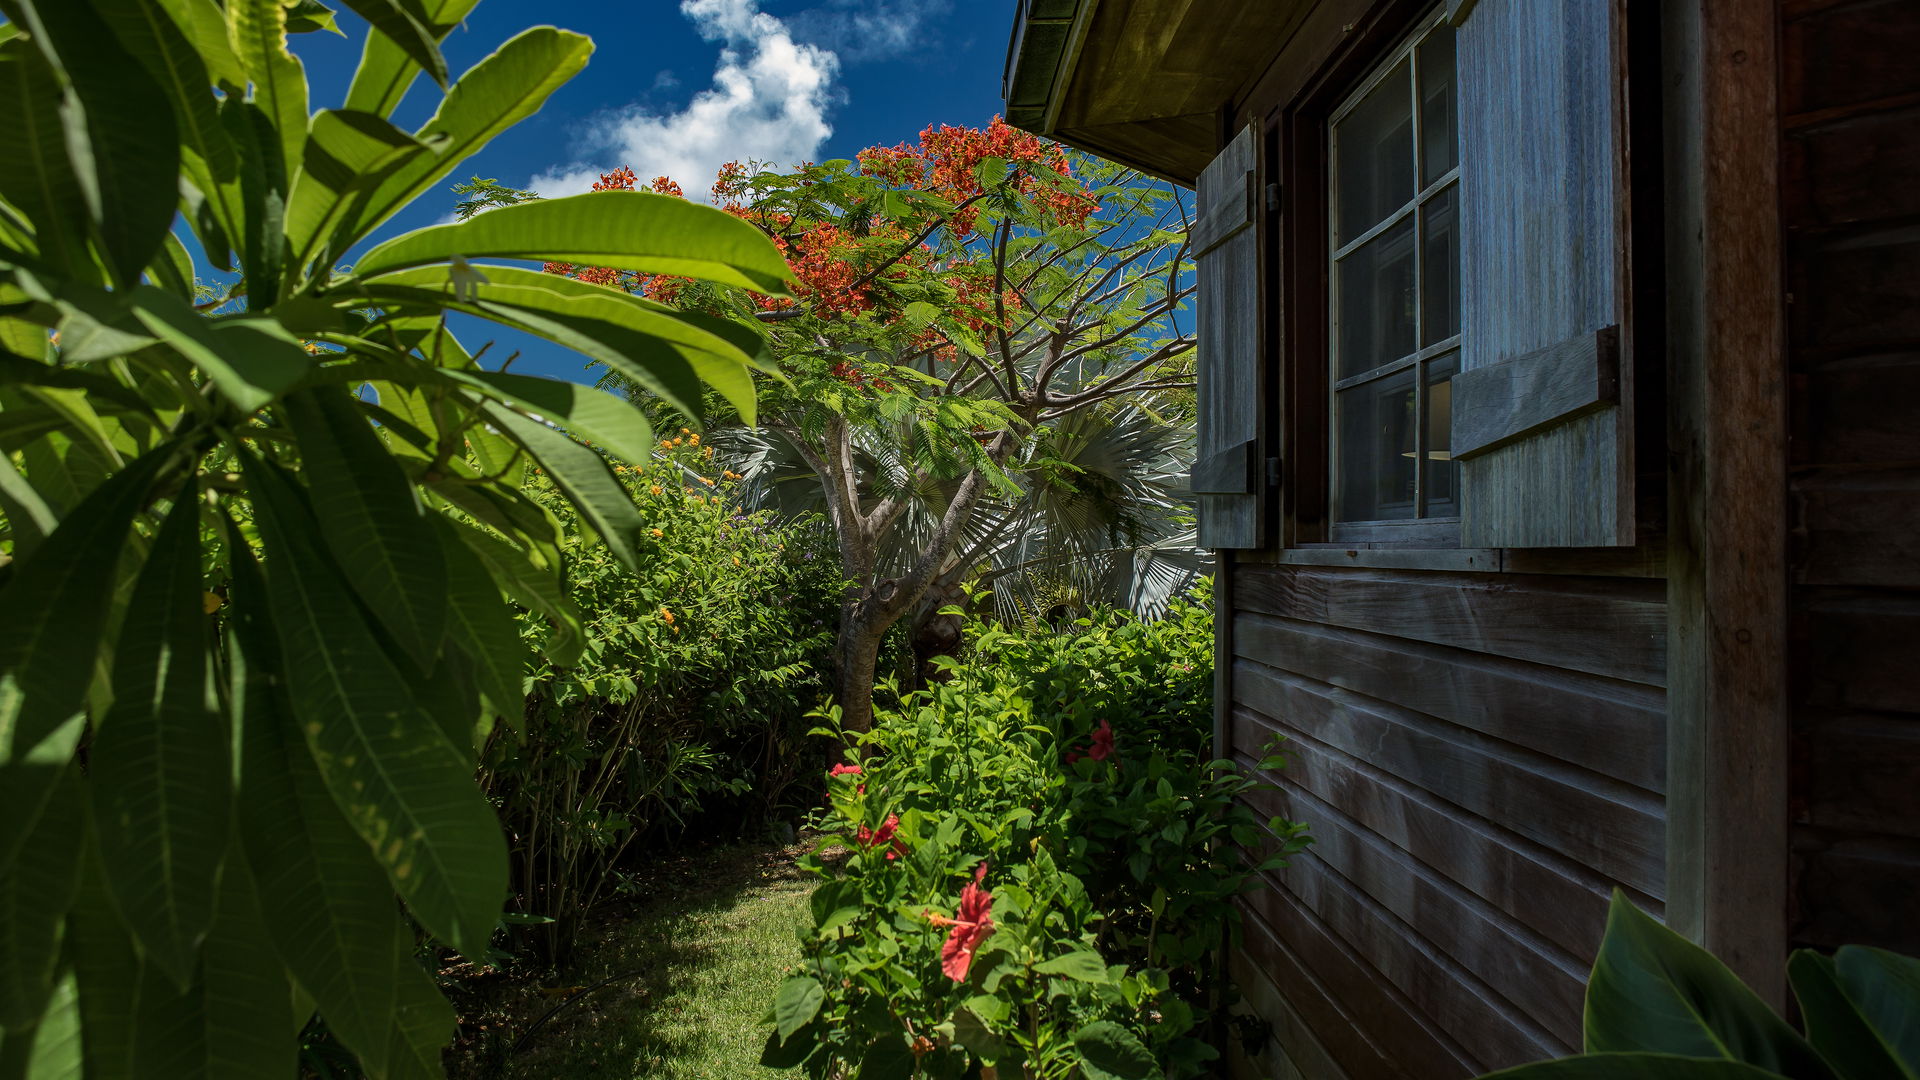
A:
1728, 734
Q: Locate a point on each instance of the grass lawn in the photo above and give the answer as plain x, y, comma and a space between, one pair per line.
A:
709, 947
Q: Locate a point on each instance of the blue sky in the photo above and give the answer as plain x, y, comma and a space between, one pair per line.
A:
679, 87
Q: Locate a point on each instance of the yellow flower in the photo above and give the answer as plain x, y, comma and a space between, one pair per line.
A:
686, 431
736, 560
667, 615
707, 480
689, 491
657, 534
716, 500
656, 489
694, 439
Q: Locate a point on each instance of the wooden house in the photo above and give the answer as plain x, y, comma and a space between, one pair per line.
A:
1559, 441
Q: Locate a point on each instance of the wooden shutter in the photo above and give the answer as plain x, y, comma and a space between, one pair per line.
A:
1541, 426
1229, 480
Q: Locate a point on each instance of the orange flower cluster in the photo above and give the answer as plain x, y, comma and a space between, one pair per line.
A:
947, 160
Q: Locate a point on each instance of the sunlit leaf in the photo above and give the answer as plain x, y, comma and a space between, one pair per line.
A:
583, 476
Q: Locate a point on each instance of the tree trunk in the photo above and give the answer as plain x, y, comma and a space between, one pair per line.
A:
855, 652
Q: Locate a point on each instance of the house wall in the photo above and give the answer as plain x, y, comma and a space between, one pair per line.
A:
1850, 153
1480, 754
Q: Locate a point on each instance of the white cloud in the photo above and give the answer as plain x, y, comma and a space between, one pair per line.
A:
862, 30
768, 102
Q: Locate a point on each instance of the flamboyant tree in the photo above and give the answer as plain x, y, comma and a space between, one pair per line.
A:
955, 297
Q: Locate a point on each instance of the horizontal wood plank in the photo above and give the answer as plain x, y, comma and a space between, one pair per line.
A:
1613, 728
1856, 890
1860, 528
1387, 1035
1858, 772
1501, 402
1232, 471
1860, 649
1564, 901
1615, 628
1486, 1027
1292, 1050
1529, 975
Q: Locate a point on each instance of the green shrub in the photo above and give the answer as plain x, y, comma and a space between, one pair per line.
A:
690, 696
1033, 786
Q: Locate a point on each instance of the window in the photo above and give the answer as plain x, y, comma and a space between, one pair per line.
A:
1394, 279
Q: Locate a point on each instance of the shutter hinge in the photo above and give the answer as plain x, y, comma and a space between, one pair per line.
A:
1273, 197
1273, 472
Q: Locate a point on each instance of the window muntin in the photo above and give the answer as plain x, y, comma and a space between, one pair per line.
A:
1395, 281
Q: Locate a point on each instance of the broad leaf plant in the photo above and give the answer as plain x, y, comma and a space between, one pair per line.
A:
259, 536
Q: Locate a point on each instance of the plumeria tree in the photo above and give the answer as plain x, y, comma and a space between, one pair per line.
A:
956, 298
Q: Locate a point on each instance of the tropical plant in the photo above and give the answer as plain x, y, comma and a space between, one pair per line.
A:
255, 545
1660, 1007
686, 712
1035, 881
955, 298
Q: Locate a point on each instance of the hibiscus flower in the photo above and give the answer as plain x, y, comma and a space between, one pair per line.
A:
971, 925
1102, 747
845, 770
873, 838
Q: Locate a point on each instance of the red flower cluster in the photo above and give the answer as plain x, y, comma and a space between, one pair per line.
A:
1101, 747
947, 160
971, 926
845, 770
885, 834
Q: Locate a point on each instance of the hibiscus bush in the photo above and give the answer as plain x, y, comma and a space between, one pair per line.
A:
687, 702
1027, 874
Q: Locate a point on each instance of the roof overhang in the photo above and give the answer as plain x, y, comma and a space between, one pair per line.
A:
1141, 82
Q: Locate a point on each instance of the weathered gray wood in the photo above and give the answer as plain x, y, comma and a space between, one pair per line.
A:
1291, 1051
1233, 471
1538, 234
1611, 627
1562, 901
1230, 379
1229, 209
1604, 825
1511, 399
1728, 736
1616, 729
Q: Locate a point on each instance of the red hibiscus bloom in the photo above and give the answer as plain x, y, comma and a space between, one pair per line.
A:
971, 925
1102, 747
845, 770
873, 838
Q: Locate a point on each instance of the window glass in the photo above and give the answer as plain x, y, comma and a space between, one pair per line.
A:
1439, 134
1439, 268
1373, 156
1377, 426
1377, 306
1395, 285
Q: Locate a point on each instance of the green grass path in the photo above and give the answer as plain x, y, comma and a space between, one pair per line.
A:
713, 945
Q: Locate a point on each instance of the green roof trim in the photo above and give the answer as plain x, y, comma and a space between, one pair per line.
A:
1041, 31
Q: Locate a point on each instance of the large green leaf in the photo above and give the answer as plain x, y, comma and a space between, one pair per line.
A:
583, 476
629, 230
423, 1022
1654, 991
538, 590
35, 174
135, 1024
408, 27
34, 896
47, 664
1861, 1009
796, 1004
159, 772
372, 521
386, 70
49, 1050
29, 518
205, 25
165, 43
498, 92
248, 1003
348, 154
481, 624
258, 29
332, 914
668, 354
251, 359
405, 787
594, 415
1634, 1066
121, 131
1111, 1052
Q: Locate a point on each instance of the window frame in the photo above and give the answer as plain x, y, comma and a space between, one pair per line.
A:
1298, 255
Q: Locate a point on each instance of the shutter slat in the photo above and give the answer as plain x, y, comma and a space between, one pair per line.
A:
1542, 437
1226, 483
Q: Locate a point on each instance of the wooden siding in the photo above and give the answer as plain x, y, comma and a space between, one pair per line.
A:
1850, 149
1481, 760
